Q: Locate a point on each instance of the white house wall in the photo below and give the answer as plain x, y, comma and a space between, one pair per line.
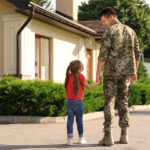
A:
11, 24
82, 54
5, 8
66, 47
27, 53
64, 52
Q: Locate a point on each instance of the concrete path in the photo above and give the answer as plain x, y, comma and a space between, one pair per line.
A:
53, 136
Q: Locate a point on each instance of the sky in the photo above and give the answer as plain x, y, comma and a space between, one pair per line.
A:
79, 2
148, 1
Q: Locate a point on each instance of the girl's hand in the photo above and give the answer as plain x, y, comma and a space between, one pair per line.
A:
99, 82
133, 78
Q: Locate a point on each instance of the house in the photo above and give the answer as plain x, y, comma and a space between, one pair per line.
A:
37, 43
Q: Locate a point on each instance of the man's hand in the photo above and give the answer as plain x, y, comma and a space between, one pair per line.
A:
97, 78
98, 82
133, 78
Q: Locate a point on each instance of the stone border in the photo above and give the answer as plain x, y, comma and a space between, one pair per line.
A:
45, 120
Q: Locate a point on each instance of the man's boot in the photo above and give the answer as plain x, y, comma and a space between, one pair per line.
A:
124, 135
107, 139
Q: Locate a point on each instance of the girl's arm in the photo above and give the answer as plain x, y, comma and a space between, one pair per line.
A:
90, 86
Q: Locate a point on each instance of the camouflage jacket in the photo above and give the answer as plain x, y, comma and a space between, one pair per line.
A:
119, 50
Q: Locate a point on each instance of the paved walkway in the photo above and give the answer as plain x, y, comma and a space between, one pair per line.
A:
53, 136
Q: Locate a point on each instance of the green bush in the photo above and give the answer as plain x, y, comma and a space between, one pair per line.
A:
139, 94
93, 100
38, 98
32, 98
135, 95
142, 72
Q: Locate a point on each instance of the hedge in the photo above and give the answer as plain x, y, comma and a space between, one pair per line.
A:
38, 98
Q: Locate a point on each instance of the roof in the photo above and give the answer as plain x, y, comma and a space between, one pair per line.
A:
53, 18
95, 25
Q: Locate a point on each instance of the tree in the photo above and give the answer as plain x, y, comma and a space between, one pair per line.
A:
45, 3
134, 13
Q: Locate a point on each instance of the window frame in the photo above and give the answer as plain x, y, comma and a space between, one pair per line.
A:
37, 36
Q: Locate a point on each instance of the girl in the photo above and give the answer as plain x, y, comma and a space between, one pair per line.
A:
74, 86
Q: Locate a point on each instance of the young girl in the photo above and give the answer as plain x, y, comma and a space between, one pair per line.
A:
74, 85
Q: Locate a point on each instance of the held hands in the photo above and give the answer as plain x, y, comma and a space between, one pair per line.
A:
133, 78
99, 80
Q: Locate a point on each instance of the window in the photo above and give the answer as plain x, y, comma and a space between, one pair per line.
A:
42, 65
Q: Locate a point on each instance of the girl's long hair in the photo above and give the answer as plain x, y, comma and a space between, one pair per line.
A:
73, 69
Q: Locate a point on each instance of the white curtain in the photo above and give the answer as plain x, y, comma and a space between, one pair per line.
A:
36, 58
45, 59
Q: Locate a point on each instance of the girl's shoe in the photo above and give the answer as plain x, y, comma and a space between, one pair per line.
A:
69, 141
82, 140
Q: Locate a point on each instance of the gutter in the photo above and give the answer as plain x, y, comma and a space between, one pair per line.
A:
23, 5
17, 40
63, 20
60, 19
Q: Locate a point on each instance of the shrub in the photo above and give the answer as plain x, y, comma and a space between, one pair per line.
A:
135, 95
142, 72
38, 98
32, 98
93, 100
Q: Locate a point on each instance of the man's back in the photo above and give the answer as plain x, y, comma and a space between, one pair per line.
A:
121, 44
119, 55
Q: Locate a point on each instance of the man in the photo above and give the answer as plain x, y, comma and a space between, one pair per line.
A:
119, 55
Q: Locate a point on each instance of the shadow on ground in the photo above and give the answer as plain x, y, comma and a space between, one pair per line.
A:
51, 146
12, 147
140, 112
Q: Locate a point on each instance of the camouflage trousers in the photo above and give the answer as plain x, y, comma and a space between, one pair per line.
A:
116, 86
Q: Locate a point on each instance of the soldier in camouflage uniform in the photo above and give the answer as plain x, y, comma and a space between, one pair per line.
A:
119, 55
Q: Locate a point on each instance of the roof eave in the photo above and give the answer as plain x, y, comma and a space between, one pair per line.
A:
57, 20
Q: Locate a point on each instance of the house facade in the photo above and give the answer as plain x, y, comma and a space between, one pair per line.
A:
47, 44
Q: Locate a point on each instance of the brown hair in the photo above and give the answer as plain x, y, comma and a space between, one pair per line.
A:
73, 68
108, 11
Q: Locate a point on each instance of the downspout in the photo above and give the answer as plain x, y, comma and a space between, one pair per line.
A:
18, 45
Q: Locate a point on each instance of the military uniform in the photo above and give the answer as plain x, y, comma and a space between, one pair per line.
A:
120, 51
